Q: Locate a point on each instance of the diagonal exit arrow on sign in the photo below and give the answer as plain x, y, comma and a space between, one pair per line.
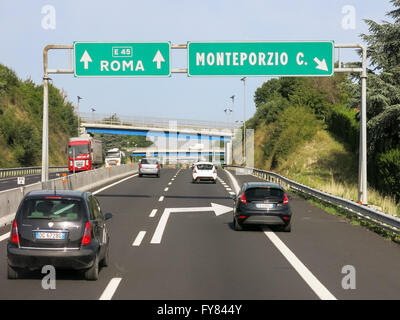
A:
217, 208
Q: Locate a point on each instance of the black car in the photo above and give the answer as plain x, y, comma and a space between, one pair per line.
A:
65, 229
260, 203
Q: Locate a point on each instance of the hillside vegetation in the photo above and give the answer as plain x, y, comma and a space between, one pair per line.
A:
21, 110
308, 128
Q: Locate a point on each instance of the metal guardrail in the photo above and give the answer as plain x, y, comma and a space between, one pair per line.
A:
385, 220
25, 171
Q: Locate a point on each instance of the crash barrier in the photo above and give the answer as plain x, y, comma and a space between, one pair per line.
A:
26, 171
383, 219
83, 181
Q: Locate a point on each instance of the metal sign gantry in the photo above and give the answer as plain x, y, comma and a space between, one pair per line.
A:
260, 58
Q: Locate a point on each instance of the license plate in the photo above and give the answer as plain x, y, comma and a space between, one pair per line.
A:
50, 235
265, 205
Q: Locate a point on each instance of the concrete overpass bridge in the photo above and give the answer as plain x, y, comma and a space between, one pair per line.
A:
172, 138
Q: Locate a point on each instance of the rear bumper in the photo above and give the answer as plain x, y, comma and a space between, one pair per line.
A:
204, 178
264, 220
32, 259
149, 171
255, 217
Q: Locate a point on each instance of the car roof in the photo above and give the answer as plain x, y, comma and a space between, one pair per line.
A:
59, 193
203, 162
249, 185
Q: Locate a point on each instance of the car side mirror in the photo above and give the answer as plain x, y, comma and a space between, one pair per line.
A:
108, 216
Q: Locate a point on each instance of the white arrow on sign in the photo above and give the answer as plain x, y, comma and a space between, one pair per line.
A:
321, 65
217, 208
86, 59
158, 58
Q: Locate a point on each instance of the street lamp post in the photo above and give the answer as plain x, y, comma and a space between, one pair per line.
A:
244, 117
77, 114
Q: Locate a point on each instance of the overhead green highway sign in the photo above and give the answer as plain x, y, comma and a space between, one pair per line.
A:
261, 58
126, 59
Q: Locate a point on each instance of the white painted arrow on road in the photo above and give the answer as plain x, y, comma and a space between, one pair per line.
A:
217, 208
86, 59
321, 65
158, 58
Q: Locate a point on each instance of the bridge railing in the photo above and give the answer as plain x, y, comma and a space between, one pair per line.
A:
156, 122
383, 219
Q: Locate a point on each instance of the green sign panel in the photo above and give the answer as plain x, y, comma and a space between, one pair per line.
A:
278, 58
128, 59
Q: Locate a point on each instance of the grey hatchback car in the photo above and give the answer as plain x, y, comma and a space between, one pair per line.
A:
149, 166
262, 203
65, 229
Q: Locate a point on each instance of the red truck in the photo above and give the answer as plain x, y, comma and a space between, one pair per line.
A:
84, 153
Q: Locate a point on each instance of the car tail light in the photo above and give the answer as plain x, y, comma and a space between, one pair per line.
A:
286, 218
86, 234
14, 233
140, 165
215, 171
243, 199
194, 171
158, 166
285, 199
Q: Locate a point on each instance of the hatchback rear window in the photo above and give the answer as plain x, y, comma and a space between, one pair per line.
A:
148, 161
205, 166
52, 209
258, 194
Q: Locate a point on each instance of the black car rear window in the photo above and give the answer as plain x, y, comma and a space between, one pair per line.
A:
52, 209
263, 193
148, 161
204, 166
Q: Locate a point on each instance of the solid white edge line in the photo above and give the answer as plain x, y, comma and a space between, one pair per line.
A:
139, 239
153, 213
320, 290
301, 269
113, 184
110, 289
4, 236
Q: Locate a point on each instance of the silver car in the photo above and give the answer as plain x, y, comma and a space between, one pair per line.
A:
149, 166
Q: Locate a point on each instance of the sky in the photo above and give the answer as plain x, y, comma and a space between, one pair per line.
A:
26, 30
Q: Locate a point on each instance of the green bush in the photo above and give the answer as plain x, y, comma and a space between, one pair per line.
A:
295, 126
343, 124
388, 167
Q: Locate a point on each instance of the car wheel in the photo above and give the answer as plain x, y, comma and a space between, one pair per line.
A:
214, 181
287, 227
93, 272
106, 260
12, 273
237, 226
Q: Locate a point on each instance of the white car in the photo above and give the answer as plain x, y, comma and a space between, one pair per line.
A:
204, 171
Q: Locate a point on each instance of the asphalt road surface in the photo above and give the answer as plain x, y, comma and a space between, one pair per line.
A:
172, 239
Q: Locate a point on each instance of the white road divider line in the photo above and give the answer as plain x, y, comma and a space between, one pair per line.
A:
161, 198
113, 184
139, 239
110, 289
169, 183
166, 189
319, 289
4, 236
153, 213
